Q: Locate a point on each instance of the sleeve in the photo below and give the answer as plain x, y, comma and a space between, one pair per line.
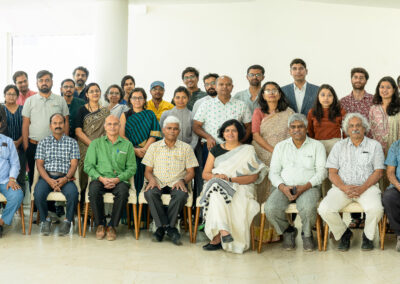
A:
201, 113
91, 161
191, 161
40, 151
155, 127
26, 110
65, 109
75, 154
256, 120
3, 126
130, 166
148, 159
14, 160
333, 158
163, 117
246, 114
379, 157
214, 150
320, 161
391, 159
275, 168
310, 127
80, 116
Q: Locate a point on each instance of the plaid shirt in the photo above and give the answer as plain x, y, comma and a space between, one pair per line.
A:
57, 154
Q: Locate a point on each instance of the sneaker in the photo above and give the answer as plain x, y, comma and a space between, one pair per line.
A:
344, 244
289, 239
45, 228
367, 244
100, 232
175, 237
398, 244
308, 243
65, 228
159, 234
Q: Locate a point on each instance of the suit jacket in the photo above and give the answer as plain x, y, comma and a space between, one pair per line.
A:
309, 98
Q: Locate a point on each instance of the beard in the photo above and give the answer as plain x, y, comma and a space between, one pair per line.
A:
255, 83
211, 92
45, 89
358, 87
80, 83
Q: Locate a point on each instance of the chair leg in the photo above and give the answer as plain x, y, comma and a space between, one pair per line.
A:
92, 220
326, 233
148, 217
139, 218
185, 220
318, 227
31, 217
253, 245
37, 218
196, 224
21, 208
383, 232
260, 240
189, 213
79, 219
128, 216
85, 218
135, 221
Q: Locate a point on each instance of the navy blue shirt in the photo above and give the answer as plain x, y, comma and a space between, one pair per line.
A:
81, 95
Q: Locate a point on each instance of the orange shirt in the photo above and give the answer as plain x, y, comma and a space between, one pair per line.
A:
326, 129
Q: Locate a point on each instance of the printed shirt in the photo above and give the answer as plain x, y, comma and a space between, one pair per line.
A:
194, 97
350, 104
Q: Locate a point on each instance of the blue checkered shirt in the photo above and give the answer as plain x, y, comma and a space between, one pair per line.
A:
57, 154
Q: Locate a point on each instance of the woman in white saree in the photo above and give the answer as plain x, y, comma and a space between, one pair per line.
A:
228, 198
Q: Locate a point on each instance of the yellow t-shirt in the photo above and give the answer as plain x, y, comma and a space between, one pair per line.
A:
163, 106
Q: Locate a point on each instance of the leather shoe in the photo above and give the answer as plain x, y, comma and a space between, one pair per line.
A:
227, 239
174, 235
111, 234
211, 247
100, 232
159, 234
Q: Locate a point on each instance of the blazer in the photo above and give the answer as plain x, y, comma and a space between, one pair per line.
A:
309, 98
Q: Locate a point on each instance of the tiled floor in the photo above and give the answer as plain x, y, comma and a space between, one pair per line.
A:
72, 259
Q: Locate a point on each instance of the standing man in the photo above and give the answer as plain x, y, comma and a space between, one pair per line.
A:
57, 158
74, 104
36, 115
210, 85
190, 77
81, 75
255, 75
157, 104
20, 79
300, 94
110, 162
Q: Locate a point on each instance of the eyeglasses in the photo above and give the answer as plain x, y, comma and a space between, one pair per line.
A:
185, 78
271, 92
137, 99
114, 93
68, 87
11, 94
209, 84
258, 75
94, 92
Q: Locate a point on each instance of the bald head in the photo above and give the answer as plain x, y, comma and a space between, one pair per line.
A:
224, 86
112, 125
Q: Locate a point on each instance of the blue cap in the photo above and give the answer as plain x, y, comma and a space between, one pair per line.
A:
157, 83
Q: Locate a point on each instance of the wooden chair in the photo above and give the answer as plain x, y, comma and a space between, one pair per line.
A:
383, 230
54, 196
21, 211
353, 207
291, 209
109, 198
166, 198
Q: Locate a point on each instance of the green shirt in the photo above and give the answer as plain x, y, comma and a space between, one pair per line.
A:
110, 160
194, 97
73, 107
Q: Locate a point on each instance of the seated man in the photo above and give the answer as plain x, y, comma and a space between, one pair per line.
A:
296, 172
170, 167
56, 158
9, 165
355, 166
110, 162
391, 196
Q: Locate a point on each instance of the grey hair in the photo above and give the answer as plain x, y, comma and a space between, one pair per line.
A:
298, 117
364, 121
172, 119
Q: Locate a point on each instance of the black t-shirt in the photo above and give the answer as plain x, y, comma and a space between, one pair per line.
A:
218, 150
80, 116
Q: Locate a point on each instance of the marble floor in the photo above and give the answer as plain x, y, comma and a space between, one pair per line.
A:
73, 259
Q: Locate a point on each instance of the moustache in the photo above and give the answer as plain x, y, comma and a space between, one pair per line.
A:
58, 128
355, 132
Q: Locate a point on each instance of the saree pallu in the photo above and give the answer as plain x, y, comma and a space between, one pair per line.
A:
232, 206
273, 129
139, 128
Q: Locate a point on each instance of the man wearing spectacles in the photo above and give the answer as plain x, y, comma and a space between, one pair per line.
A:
190, 77
20, 79
255, 75
74, 103
300, 94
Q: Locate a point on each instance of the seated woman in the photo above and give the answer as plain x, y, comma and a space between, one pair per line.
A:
231, 171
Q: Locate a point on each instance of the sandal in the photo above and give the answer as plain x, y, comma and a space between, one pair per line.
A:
355, 223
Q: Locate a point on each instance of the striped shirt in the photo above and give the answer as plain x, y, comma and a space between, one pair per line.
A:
14, 123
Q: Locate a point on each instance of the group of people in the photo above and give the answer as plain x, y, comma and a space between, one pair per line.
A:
265, 143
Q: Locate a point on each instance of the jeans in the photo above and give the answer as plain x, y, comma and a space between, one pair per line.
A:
14, 200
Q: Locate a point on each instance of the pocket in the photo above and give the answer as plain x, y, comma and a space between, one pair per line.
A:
4, 152
308, 161
121, 159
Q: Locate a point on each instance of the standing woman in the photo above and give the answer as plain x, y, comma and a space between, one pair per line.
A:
14, 122
127, 85
181, 99
269, 126
140, 126
89, 126
325, 122
113, 96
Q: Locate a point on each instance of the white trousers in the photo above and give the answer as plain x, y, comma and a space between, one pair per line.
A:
336, 200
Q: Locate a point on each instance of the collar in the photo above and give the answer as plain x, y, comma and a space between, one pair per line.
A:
51, 97
162, 143
119, 139
302, 89
220, 102
304, 143
362, 144
53, 139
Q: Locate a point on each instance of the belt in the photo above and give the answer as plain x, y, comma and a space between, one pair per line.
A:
57, 174
33, 141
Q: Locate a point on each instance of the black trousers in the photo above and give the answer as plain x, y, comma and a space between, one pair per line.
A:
30, 158
391, 202
161, 216
96, 192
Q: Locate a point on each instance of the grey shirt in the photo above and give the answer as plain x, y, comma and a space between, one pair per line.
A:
245, 97
39, 110
356, 164
118, 110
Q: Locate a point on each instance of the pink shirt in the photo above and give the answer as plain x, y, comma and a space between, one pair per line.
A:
21, 98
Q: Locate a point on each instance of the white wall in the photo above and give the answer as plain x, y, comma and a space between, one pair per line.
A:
227, 38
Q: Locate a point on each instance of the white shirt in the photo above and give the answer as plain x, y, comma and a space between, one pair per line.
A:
198, 103
292, 166
299, 94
